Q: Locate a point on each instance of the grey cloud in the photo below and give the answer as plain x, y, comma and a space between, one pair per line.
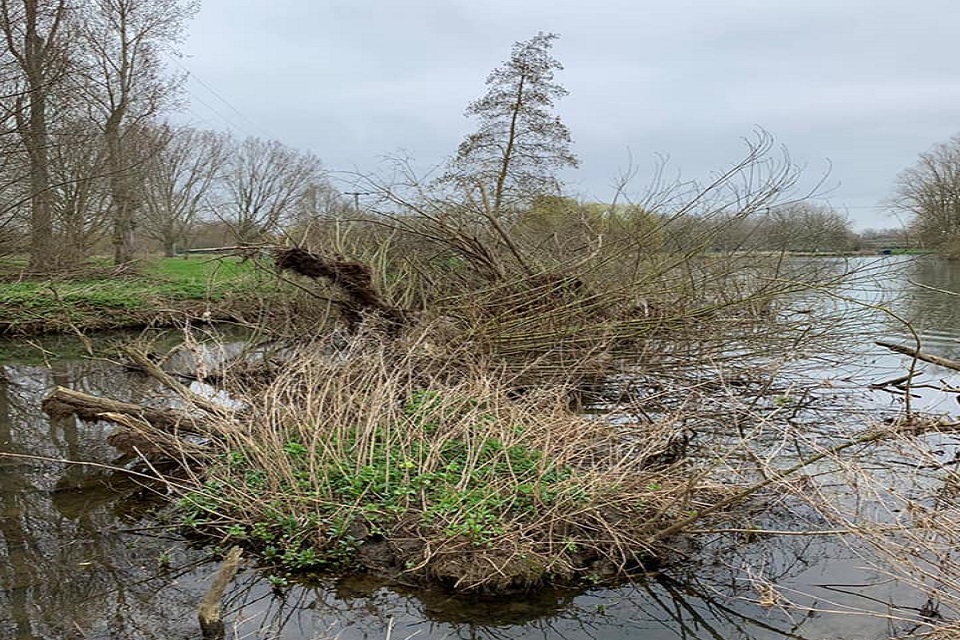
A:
867, 84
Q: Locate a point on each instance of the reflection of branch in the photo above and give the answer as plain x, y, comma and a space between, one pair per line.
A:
684, 523
96, 465
934, 289
679, 592
839, 588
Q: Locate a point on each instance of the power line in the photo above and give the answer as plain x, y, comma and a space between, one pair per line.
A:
193, 76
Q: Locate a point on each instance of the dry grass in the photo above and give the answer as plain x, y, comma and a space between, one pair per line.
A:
451, 452
381, 456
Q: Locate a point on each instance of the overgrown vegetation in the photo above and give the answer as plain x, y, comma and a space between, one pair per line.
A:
384, 458
444, 444
438, 435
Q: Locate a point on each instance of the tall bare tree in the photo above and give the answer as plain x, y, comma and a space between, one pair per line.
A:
35, 34
521, 144
179, 183
264, 186
129, 87
929, 192
14, 173
80, 189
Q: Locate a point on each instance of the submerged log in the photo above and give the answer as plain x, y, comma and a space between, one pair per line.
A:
67, 402
211, 619
146, 432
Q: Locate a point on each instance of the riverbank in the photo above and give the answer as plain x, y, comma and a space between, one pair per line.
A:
158, 292
446, 444
80, 540
431, 454
155, 292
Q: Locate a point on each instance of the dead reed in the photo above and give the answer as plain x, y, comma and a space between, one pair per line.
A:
383, 457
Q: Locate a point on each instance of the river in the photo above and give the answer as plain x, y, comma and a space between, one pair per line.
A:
77, 561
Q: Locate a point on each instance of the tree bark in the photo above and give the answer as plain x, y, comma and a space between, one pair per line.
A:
123, 204
65, 401
37, 56
211, 620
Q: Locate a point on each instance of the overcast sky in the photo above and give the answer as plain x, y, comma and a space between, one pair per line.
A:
857, 86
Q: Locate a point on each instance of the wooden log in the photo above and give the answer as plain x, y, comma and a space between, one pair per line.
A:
211, 618
65, 402
155, 372
920, 355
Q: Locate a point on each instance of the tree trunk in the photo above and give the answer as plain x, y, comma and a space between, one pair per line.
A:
42, 255
35, 59
123, 202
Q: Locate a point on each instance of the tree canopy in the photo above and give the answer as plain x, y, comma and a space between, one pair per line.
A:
520, 144
929, 192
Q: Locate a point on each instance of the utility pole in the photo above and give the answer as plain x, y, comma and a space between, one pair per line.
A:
356, 197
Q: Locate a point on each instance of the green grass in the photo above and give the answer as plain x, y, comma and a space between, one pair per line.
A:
101, 300
201, 279
201, 269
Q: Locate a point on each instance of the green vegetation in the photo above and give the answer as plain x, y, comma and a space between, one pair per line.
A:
160, 291
436, 437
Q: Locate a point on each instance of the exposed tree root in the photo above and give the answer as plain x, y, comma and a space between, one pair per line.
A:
354, 279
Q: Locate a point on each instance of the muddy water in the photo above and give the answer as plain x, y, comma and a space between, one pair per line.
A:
80, 559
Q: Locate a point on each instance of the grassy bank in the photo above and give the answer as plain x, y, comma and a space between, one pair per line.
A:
156, 291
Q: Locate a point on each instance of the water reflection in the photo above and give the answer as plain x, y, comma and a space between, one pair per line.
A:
658, 609
66, 569
935, 315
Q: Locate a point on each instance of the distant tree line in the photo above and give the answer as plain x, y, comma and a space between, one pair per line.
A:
928, 194
87, 158
802, 227
90, 163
